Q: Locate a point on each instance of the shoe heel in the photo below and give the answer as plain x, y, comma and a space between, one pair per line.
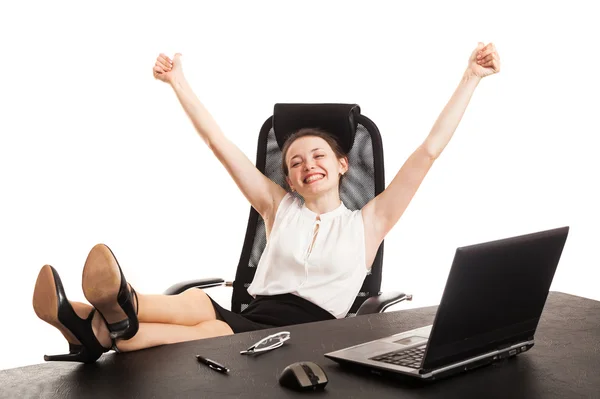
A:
77, 353
69, 357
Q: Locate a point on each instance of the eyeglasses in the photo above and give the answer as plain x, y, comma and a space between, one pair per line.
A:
268, 343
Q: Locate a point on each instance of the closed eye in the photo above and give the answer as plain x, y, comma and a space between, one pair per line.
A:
293, 165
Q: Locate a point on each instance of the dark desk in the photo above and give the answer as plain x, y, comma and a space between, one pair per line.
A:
564, 363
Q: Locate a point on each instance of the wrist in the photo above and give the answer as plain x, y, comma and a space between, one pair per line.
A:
470, 77
177, 81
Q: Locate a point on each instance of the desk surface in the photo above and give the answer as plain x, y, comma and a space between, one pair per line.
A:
564, 363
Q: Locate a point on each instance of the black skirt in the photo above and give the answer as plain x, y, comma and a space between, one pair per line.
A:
272, 311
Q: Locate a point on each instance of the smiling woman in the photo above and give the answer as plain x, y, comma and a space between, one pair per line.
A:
309, 158
317, 255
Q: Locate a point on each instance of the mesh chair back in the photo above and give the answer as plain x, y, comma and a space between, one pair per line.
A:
363, 181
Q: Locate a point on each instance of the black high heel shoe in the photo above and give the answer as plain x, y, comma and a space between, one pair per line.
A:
51, 305
104, 285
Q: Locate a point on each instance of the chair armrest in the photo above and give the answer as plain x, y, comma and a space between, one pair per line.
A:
201, 283
379, 303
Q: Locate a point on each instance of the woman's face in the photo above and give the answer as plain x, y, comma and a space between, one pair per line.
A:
313, 166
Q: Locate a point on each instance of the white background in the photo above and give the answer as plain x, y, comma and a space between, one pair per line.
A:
93, 149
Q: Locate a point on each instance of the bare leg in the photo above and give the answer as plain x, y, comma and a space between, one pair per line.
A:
149, 334
189, 308
154, 334
102, 281
49, 302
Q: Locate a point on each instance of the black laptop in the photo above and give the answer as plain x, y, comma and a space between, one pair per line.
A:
490, 309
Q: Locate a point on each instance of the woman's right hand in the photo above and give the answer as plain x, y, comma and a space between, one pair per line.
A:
166, 69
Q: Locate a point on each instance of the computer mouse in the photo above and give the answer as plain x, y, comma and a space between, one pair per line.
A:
303, 376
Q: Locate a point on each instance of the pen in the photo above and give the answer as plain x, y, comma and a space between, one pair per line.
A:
212, 364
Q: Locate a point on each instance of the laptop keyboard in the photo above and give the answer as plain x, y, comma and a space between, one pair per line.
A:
404, 357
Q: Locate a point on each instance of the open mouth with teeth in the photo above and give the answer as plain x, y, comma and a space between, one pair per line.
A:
313, 178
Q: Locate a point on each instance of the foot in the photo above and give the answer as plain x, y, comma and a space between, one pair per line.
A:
105, 287
84, 331
98, 325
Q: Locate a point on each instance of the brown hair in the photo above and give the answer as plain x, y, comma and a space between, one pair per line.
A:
328, 137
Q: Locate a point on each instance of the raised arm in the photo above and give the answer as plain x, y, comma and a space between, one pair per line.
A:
382, 212
262, 193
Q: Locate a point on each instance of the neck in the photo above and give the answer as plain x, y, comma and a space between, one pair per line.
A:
323, 203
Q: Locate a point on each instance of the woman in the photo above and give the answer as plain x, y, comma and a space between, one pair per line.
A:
305, 273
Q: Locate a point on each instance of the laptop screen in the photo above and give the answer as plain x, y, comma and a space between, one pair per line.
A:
494, 296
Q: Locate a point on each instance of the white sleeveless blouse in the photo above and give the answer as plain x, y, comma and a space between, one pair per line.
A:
331, 273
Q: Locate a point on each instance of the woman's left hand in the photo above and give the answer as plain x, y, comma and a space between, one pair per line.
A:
484, 60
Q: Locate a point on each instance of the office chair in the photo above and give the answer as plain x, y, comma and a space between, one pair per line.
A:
360, 137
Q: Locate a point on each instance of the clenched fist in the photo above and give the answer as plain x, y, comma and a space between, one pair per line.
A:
166, 69
484, 60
